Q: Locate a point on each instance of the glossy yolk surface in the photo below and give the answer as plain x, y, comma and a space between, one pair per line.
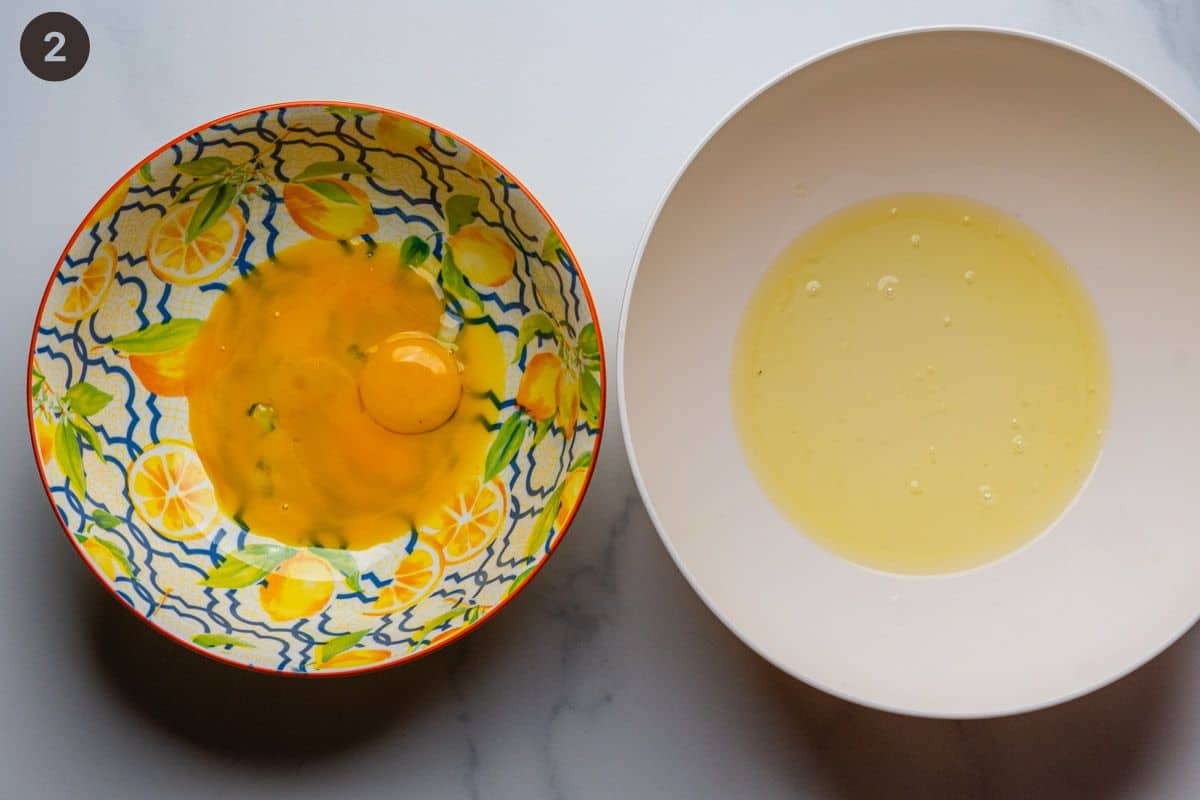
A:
410, 383
276, 415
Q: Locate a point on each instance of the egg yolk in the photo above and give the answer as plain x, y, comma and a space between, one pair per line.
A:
410, 383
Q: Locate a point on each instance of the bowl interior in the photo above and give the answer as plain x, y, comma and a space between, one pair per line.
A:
1095, 162
109, 430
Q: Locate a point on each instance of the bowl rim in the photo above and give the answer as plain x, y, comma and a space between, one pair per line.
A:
631, 451
457, 633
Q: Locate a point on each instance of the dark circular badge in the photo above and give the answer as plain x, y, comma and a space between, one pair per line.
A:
55, 46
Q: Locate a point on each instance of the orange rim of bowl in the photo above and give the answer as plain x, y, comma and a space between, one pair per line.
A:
453, 635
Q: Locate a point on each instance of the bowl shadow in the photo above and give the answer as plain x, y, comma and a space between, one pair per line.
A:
270, 718
229, 713
276, 721
1093, 747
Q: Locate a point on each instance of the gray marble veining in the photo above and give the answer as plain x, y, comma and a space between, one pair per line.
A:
607, 678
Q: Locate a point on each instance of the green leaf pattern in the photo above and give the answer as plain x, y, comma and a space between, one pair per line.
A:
320, 169
534, 324
85, 399
467, 611
213, 205
455, 284
338, 644
205, 167
545, 521
118, 555
247, 566
343, 562
211, 640
69, 456
331, 191
161, 337
414, 251
505, 446
460, 210
89, 434
106, 520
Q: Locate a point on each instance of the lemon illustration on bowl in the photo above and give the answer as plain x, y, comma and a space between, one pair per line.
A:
162, 373
299, 587
106, 557
329, 208
471, 522
88, 291
537, 394
110, 205
400, 135
178, 256
171, 492
572, 488
43, 429
158, 354
417, 575
341, 652
483, 254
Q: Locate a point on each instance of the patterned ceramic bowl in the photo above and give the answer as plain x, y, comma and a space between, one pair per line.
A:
110, 422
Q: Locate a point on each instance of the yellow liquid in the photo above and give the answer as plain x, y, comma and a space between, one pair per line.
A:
920, 383
274, 402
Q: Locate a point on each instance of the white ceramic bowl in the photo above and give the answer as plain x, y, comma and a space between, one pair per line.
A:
1096, 161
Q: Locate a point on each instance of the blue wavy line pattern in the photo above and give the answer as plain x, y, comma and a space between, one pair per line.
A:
412, 172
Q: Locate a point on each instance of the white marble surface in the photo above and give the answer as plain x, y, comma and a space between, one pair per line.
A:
607, 678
